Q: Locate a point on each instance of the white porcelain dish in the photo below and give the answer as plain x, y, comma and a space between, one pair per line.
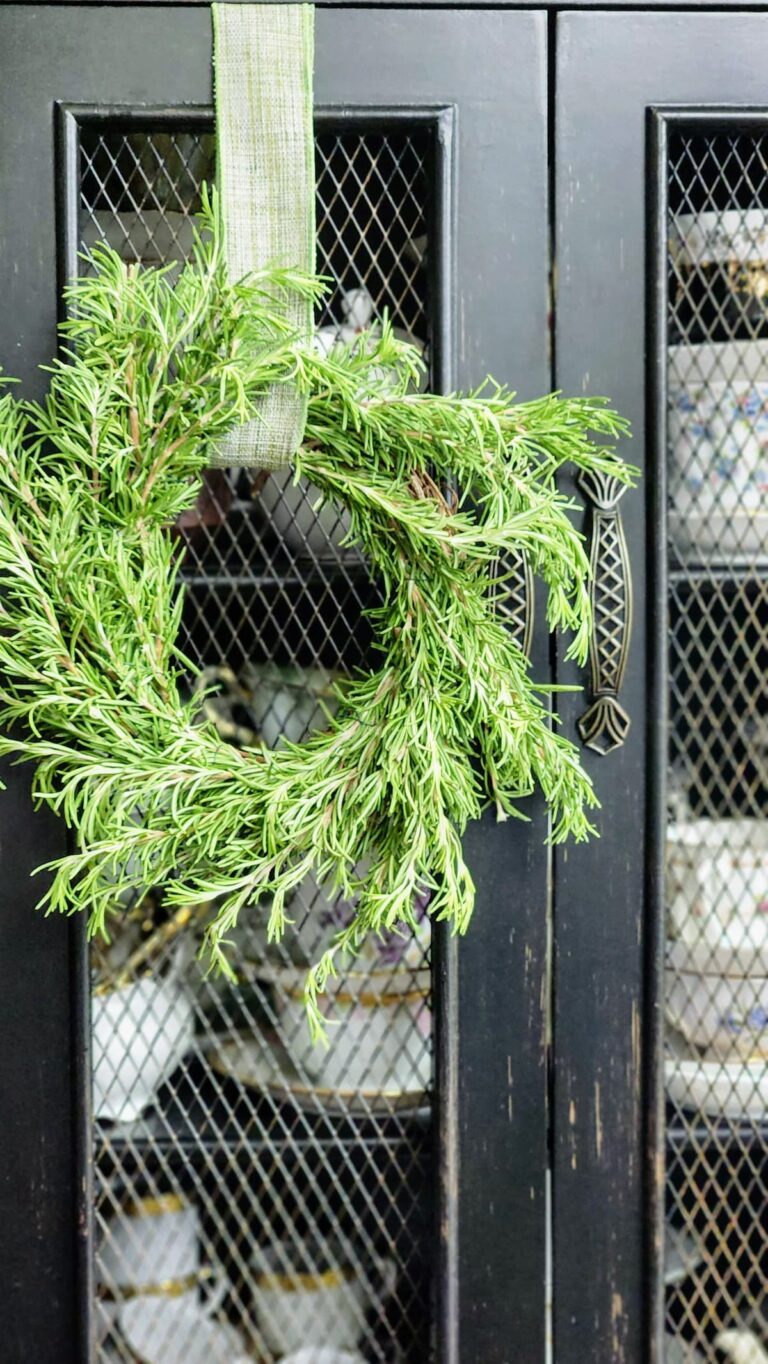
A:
726, 1014
737, 537
717, 884
718, 362
295, 1311
152, 1241
264, 1066
325, 1355
733, 952
379, 1036
153, 1244
718, 449
318, 914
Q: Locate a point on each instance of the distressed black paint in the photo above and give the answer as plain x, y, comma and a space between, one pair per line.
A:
608, 1153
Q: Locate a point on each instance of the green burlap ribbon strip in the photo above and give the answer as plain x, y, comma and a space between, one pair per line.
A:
264, 58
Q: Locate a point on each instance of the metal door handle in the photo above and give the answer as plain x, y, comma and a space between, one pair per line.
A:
605, 724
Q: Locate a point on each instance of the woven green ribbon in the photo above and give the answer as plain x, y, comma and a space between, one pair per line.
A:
264, 56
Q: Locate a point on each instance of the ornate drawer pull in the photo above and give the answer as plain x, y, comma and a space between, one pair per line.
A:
605, 724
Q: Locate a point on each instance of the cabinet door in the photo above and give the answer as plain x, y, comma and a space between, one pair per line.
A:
403, 1199
660, 1085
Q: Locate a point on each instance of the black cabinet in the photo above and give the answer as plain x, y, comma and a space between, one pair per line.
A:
562, 199
432, 204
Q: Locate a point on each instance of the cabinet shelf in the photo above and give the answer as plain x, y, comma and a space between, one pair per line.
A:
163, 1146
200, 1115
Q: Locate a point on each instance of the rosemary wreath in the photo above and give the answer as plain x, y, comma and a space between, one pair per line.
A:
155, 367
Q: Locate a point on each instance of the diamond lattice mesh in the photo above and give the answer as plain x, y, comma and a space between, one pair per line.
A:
716, 995
255, 1195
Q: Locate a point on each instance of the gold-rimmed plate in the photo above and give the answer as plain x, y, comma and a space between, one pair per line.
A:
383, 981
264, 1066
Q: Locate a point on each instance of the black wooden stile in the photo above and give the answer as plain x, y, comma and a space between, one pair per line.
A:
658, 692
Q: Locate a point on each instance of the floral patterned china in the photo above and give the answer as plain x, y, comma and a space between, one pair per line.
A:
718, 449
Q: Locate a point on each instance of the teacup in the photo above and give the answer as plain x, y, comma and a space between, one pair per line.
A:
151, 1249
380, 1025
729, 235
309, 1310
141, 1033
319, 913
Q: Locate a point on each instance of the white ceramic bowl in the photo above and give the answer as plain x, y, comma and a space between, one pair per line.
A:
149, 1242
717, 884
318, 914
720, 238
737, 536
728, 1089
378, 1035
731, 954
726, 1014
140, 1035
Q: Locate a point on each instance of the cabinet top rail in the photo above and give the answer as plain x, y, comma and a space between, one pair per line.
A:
724, 6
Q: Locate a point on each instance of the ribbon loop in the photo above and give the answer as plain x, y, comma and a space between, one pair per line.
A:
264, 56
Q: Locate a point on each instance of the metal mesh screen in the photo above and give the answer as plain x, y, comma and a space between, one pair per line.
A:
257, 1197
716, 994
